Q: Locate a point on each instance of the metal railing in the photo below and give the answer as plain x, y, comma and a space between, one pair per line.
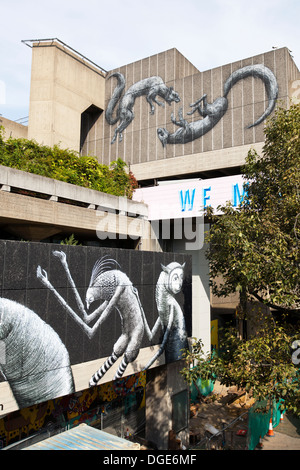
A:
217, 440
52, 42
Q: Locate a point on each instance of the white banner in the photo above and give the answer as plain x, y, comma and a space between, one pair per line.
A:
190, 198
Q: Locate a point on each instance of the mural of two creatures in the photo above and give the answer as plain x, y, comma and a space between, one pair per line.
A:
120, 107
37, 365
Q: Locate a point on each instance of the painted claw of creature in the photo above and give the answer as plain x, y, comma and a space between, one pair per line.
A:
41, 274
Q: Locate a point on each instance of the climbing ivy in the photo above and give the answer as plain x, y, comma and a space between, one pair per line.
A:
66, 165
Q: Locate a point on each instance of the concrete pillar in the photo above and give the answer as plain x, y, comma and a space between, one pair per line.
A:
201, 291
163, 385
63, 86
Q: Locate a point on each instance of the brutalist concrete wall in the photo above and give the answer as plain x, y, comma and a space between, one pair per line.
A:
141, 144
167, 406
63, 86
73, 317
227, 101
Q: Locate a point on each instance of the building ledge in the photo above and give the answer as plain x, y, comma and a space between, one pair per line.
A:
21, 182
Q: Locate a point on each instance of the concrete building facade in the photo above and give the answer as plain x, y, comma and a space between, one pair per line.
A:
181, 131
219, 148
66, 91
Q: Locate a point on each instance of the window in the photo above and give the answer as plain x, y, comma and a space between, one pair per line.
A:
180, 406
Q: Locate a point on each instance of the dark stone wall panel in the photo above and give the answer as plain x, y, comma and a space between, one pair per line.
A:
49, 312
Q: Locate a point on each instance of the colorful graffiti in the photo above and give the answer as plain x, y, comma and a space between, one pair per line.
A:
69, 411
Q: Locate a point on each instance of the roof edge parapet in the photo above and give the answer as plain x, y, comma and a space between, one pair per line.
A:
55, 42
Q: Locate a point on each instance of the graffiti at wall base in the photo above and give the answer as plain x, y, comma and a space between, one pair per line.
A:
94, 406
69, 317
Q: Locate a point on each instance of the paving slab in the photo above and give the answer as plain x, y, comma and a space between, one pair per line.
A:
281, 442
286, 435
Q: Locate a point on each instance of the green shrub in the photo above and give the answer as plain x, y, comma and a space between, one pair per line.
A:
66, 165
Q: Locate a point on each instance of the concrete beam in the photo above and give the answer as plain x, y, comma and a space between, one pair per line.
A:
194, 163
18, 208
55, 190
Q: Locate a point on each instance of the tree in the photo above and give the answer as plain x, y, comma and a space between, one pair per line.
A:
261, 365
254, 249
66, 165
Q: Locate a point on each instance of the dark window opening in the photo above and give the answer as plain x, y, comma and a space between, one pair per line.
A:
88, 119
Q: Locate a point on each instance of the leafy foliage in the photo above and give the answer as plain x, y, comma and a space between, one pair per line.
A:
261, 365
255, 249
67, 166
70, 241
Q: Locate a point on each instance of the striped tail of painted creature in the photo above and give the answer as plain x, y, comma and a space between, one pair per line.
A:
121, 368
103, 369
106, 366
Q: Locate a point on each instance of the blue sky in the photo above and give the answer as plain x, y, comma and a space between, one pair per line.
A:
209, 33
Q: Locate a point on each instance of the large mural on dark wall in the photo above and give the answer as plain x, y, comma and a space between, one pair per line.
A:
61, 306
210, 113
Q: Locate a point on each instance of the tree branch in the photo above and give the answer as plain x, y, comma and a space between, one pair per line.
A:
276, 307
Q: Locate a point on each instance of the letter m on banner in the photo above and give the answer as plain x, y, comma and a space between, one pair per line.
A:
237, 197
187, 199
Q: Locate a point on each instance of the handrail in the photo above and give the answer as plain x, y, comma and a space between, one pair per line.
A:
206, 439
53, 40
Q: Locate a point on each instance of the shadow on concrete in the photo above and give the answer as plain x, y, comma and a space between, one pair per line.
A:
289, 426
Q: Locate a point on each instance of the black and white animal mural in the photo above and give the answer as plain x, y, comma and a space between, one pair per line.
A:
210, 113
149, 87
36, 363
171, 317
48, 334
114, 289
